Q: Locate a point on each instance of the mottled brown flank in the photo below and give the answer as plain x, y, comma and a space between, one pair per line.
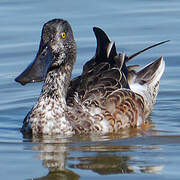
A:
121, 108
127, 108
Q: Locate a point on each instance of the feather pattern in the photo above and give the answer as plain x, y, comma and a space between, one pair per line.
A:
107, 97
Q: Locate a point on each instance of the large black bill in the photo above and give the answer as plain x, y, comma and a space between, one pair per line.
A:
37, 70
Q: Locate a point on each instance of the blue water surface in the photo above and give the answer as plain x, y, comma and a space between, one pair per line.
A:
135, 154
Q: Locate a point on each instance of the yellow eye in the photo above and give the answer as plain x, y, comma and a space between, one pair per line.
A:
63, 35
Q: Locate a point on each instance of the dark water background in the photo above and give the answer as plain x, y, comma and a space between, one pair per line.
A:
152, 153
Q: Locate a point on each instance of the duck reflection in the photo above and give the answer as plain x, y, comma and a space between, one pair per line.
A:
54, 154
60, 175
102, 155
105, 164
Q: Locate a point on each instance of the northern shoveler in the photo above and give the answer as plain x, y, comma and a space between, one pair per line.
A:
107, 97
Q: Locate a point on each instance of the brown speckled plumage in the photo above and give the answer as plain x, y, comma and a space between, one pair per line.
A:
104, 99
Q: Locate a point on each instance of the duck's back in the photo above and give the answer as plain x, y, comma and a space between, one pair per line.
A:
104, 100
105, 69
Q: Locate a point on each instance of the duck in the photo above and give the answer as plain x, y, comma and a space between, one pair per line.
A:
107, 97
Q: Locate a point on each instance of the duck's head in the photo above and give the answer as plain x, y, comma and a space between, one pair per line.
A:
57, 47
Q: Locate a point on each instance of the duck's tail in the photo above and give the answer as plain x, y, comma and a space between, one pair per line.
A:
146, 82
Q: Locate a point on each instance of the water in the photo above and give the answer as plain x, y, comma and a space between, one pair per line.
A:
151, 153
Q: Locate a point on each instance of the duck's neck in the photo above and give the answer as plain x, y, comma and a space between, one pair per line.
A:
57, 82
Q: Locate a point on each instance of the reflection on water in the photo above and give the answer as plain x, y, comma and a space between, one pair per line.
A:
151, 152
107, 155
